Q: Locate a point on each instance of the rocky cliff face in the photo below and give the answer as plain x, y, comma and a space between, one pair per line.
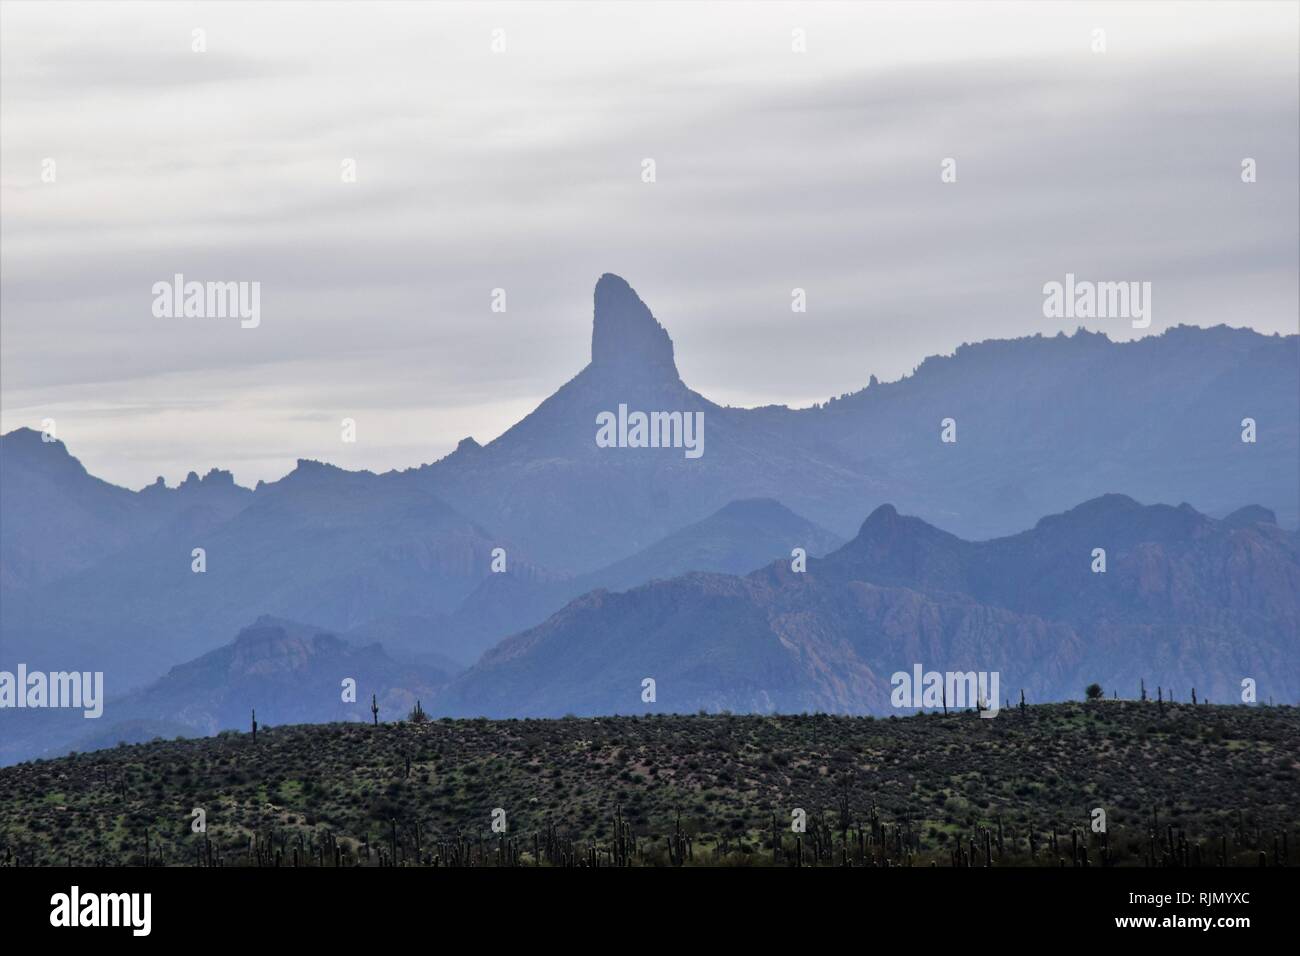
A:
626, 339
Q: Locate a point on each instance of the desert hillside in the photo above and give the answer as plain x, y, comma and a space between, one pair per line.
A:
1180, 784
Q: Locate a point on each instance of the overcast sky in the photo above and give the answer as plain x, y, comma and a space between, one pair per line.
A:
522, 170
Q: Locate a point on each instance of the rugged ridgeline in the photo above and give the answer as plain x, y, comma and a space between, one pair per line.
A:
1042, 424
335, 548
1180, 785
98, 577
1186, 604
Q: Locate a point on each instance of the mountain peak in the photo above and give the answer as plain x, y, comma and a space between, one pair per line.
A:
29, 447
888, 533
883, 517
1121, 518
30, 441
1249, 515
752, 508
625, 336
270, 645
312, 468
1104, 509
216, 477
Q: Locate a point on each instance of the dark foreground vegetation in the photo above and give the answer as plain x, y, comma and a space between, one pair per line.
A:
1180, 785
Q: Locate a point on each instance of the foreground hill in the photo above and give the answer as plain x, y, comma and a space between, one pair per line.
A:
1192, 785
1185, 601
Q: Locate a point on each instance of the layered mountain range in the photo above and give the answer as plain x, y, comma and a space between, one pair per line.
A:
98, 577
1185, 603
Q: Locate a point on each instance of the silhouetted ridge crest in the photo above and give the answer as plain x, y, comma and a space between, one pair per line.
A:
1249, 515
1121, 518
885, 523
753, 508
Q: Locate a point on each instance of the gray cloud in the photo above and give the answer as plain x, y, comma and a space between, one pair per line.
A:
521, 171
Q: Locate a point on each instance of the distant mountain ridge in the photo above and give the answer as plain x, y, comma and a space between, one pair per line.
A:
321, 544
56, 518
738, 538
1185, 602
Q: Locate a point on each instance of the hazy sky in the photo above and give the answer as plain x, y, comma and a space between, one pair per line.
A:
521, 170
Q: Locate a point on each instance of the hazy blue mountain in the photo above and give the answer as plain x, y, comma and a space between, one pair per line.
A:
1044, 423
411, 637
56, 518
287, 671
738, 538
338, 548
1185, 602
